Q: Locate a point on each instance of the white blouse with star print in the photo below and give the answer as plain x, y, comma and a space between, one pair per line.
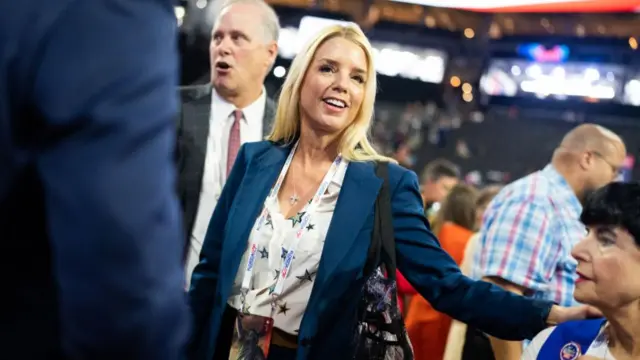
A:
273, 242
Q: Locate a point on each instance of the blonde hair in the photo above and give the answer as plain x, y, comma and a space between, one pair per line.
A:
354, 143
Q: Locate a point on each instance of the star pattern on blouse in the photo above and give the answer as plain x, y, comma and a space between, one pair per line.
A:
277, 274
306, 277
296, 219
282, 308
310, 227
264, 254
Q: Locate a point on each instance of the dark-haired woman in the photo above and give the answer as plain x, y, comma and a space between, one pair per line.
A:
608, 268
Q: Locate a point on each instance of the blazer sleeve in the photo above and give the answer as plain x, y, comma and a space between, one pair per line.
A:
204, 279
435, 275
107, 102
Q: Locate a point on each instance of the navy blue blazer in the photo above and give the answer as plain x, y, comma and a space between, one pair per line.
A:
90, 234
326, 329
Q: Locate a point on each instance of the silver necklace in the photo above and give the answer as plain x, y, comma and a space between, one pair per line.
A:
294, 198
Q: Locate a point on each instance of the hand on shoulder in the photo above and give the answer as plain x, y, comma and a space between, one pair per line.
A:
560, 314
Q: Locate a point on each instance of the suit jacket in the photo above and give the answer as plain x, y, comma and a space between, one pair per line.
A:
193, 129
90, 232
326, 329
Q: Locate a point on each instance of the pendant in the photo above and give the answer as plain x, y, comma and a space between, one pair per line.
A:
293, 199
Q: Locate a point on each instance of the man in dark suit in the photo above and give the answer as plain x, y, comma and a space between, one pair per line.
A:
232, 109
90, 233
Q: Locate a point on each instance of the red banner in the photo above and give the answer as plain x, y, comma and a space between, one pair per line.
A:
545, 6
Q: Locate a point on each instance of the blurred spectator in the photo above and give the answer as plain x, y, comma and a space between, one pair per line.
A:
438, 177
531, 225
454, 224
456, 337
403, 154
486, 195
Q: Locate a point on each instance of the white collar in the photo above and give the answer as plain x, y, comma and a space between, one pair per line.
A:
253, 112
339, 178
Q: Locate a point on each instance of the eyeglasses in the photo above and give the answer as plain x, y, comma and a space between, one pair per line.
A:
615, 168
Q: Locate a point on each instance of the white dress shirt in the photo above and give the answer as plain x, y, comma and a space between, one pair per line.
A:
273, 240
215, 166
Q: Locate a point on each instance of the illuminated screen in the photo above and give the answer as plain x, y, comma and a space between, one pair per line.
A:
391, 59
541, 53
546, 6
511, 77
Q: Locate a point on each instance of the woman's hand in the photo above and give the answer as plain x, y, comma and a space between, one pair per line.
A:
560, 314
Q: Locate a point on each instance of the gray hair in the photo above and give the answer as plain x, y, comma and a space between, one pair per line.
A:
270, 19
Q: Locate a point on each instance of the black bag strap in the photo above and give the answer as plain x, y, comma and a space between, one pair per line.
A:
383, 246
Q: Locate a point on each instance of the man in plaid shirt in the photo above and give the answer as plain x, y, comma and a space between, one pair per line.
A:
530, 227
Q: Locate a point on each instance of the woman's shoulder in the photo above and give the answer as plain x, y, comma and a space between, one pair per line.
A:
256, 149
533, 349
399, 174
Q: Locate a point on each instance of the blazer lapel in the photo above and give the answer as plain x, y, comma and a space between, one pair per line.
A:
260, 175
355, 203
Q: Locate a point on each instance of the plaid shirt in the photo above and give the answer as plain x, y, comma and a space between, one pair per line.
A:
527, 235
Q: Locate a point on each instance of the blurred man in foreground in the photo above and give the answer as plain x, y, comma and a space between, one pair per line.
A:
531, 226
90, 234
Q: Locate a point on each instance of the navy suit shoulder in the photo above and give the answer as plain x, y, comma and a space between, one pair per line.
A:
88, 216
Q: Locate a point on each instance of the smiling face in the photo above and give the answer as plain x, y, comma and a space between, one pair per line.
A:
333, 87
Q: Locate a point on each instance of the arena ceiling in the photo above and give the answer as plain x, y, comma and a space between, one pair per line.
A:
496, 25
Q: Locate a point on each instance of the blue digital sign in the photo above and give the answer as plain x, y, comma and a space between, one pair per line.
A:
544, 54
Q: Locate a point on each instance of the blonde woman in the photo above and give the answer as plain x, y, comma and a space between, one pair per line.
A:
290, 234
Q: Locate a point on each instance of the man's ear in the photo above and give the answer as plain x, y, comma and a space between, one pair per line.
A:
586, 160
272, 49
